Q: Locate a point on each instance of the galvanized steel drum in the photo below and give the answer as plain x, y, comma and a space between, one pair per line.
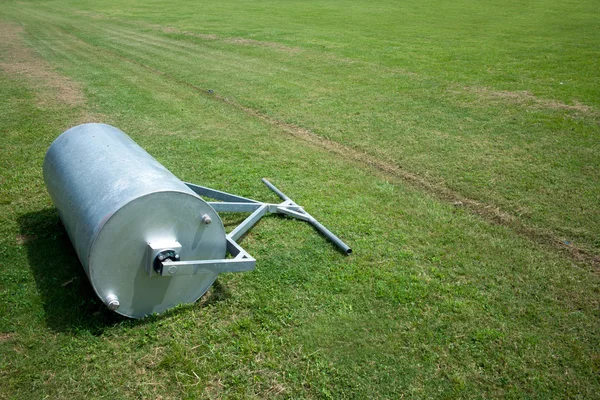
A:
117, 204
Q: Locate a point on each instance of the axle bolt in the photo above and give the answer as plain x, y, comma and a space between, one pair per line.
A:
112, 302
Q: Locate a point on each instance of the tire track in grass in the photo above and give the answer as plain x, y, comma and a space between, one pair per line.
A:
387, 168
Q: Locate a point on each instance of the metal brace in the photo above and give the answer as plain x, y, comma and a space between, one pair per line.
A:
241, 260
233, 203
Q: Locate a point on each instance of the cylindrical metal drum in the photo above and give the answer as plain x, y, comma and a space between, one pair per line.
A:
115, 200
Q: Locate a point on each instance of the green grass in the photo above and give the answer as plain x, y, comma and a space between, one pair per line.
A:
438, 300
496, 102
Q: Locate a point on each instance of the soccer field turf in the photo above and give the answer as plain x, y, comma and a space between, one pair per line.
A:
455, 146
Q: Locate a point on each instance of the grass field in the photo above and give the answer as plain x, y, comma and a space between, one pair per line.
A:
455, 146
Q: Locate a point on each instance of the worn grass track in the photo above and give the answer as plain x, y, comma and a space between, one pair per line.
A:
436, 301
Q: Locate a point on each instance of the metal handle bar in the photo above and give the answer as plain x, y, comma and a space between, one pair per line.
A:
310, 219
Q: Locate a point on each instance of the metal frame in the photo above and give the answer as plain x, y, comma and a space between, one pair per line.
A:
242, 261
232, 203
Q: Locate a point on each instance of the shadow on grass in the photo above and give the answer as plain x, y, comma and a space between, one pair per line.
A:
70, 303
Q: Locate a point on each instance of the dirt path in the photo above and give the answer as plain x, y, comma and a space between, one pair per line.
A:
20, 61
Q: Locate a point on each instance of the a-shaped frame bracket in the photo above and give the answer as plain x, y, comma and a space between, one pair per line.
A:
164, 258
232, 203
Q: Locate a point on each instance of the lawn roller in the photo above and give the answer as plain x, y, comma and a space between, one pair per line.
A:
147, 241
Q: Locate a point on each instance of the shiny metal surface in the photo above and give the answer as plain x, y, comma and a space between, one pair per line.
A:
114, 199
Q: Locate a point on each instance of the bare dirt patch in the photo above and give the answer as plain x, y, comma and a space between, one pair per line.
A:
19, 60
170, 29
24, 239
275, 390
214, 389
527, 99
272, 45
5, 337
